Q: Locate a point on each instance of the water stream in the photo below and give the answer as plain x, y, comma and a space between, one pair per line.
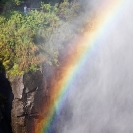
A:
101, 95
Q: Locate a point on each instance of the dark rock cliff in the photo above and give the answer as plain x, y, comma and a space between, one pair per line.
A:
26, 107
26, 96
29, 97
5, 111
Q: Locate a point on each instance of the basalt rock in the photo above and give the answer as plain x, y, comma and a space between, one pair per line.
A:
26, 107
31, 93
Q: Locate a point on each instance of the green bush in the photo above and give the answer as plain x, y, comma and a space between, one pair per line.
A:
28, 40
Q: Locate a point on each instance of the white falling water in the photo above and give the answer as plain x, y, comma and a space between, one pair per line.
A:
101, 97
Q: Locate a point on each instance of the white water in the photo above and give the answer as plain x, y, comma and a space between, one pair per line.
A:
101, 97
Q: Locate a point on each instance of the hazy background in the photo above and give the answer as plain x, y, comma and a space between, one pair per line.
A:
100, 99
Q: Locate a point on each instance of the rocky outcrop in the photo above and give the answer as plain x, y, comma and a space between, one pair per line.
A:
26, 107
26, 95
31, 94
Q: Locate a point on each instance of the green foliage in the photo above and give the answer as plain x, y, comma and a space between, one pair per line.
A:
17, 2
17, 46
68, 10
28, 40
15, 70
49, 8
33, 68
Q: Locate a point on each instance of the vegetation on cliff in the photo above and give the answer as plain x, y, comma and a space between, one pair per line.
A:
28, 40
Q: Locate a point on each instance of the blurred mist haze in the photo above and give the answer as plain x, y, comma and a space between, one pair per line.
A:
101, 94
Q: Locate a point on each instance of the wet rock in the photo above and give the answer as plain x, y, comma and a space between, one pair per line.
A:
17, 86
28, 92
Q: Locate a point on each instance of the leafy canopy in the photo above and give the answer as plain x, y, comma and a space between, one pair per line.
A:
28, 40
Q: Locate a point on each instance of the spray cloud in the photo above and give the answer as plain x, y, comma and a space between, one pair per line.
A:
100, 95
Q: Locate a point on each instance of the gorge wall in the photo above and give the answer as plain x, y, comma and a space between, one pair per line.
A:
31, 93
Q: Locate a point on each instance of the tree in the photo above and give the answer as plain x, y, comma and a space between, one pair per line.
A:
27, 41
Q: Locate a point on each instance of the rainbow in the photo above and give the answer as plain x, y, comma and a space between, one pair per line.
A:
82, 47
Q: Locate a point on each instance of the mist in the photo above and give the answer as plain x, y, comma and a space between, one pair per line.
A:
100, 97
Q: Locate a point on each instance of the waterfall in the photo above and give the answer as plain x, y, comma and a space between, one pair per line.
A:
100, 97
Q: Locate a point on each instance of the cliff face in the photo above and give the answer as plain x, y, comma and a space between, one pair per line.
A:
30, 95
27, 96
26, 107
